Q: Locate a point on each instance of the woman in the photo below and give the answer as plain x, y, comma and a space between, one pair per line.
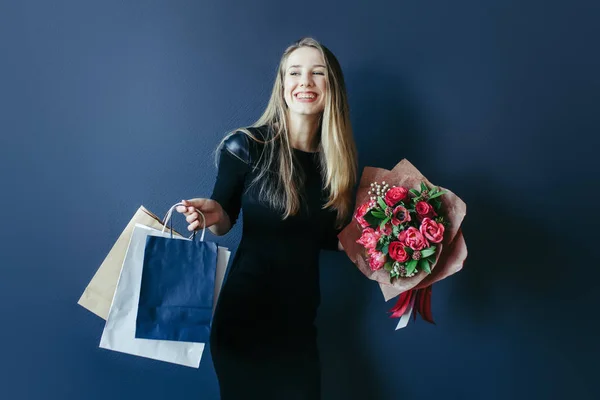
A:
293, 174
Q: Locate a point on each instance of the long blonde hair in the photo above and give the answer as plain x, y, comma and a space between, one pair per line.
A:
337, 150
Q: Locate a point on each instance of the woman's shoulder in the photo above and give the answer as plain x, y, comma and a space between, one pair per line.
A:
247, 143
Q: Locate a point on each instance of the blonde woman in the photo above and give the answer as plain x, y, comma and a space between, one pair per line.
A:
293, 174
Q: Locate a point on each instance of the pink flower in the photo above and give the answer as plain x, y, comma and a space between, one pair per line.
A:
400, 215
395, 195
361, 211
413, 238
376, 260
385, 231
397, 251
369, 238
431, 230
424, 209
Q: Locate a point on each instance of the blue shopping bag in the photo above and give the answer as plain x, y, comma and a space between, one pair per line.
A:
177, 289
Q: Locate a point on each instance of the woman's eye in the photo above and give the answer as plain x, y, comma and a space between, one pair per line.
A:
294, 73
319, 73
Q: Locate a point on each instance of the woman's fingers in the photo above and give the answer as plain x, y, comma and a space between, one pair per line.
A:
194, 203
193, 226
192, 217
191, 208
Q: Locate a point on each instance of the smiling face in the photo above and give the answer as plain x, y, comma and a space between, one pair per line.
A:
305, 82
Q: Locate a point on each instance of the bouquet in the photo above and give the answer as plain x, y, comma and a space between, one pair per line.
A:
405, 234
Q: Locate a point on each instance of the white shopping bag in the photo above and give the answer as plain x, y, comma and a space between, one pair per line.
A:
119, 330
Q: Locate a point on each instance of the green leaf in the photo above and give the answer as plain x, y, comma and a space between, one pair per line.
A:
424, 265
410, 266
423, 187
385, 221
427, 252
378, 214
381, 203
382, 243
373, 221
436, 204
385, 248
438, 194
396, 230
388, 266
385, 239
415, 192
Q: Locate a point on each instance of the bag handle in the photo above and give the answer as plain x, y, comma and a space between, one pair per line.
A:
167, 220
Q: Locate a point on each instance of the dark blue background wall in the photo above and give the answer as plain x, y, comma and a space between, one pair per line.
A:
108, 105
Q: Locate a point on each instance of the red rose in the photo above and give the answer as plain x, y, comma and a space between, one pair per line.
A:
376, 260
400, 215
395, 195
369, 238
413, 239
424, 209
361, 211
431, 230
397, 251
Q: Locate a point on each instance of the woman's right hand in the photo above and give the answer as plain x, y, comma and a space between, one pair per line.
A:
212, 210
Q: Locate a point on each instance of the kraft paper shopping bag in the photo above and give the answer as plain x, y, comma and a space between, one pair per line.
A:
98, 294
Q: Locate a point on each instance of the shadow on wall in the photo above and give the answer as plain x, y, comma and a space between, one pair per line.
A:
515, 259
386, 129
528, 279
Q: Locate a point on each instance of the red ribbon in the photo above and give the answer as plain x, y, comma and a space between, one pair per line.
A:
422, 304
402, 304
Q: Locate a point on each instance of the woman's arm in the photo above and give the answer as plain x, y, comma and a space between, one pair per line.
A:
223, 226
222, 209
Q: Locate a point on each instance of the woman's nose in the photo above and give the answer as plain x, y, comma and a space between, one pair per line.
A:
306, 81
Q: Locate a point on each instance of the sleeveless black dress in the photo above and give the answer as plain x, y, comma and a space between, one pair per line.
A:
263, 338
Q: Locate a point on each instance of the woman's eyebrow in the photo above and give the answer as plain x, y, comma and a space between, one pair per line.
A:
314, 66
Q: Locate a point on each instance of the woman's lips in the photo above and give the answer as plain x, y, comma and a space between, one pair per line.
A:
306, 97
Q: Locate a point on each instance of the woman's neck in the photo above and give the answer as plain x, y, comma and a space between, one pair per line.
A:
302, 131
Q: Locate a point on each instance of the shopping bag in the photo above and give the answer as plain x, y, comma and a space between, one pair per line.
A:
222, 262
99, 293
177, 288
119, 330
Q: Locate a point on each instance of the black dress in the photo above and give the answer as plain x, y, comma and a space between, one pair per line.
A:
263, 338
